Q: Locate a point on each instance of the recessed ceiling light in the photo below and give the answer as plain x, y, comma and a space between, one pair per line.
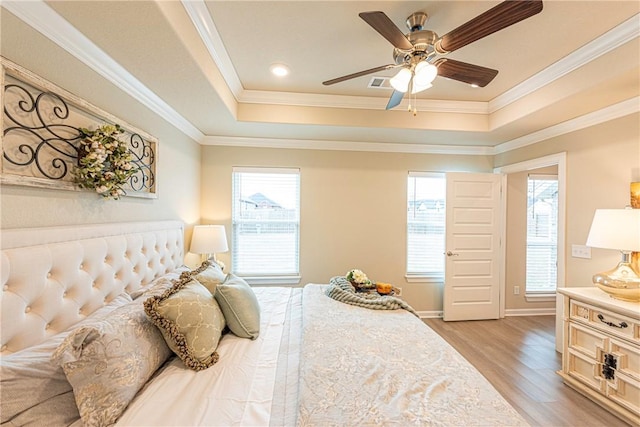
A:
279, 70
474, 85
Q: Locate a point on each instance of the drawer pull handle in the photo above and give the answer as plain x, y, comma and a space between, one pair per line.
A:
621, 325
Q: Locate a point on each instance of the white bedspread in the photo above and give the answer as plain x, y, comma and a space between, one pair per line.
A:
361, 367
236, 391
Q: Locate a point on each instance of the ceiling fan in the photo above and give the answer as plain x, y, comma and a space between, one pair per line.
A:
417, 53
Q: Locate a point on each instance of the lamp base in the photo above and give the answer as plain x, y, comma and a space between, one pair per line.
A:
621, 282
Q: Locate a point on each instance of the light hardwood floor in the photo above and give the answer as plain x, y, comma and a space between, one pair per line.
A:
517, 355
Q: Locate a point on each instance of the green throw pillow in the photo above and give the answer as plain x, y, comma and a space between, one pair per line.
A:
240, 306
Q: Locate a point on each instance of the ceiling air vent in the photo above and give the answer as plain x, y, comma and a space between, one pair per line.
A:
379, 83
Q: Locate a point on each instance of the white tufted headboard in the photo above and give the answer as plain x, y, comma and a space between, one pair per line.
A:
53, 277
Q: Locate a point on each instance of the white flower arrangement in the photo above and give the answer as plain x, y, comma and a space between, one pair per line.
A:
358, 277
105, 163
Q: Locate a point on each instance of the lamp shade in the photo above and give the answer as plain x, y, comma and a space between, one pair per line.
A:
208, 239
400, 81
419, 88
425, 73
615, 229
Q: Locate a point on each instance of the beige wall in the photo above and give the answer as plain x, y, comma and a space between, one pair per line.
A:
178, 174
352, 203
353, 208
516, 240
601, 162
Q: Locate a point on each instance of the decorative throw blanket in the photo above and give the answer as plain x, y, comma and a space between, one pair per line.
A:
386, 368
340, 289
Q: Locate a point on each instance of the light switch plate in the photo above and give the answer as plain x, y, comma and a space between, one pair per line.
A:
581, 251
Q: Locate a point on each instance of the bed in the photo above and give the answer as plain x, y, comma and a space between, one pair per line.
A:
312, 361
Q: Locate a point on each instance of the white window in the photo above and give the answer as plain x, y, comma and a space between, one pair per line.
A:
542, 234
266, 224
425, 225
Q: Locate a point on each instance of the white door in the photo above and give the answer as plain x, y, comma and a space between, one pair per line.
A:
472, 247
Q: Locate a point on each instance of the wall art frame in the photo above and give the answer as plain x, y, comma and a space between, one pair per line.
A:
41, 133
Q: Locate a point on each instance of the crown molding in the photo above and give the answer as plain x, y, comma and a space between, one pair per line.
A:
611, 40
357, 102
310, 144
45, 20
201, 19
612, 112
621, 109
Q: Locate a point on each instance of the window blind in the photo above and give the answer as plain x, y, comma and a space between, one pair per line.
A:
542, 234
426, 224
265, 221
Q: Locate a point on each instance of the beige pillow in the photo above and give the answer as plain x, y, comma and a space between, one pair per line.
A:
190, 320
109, 361
210, 275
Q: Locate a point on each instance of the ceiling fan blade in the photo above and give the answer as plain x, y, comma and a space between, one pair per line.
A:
395, 100
464, 72
359, 74
387, 29
495, 19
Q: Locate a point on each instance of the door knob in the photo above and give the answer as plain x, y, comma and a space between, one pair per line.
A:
449, 253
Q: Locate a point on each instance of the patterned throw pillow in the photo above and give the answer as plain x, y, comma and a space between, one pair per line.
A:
106, 363
210, 275
190, 320
30, 369
240, 306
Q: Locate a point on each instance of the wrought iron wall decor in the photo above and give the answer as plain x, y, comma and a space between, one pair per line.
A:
41, 133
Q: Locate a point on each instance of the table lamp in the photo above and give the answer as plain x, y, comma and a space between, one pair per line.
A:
618, 229
207, 240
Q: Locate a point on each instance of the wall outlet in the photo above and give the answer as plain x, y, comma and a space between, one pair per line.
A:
516, 290
581, 251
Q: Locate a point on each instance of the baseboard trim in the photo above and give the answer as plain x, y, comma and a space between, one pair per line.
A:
430, 314
530, 312
433, 314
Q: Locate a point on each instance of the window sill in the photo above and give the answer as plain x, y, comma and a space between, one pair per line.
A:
416, 278
272, 280
540, 297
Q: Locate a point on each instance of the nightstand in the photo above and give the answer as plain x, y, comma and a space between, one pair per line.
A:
601, 350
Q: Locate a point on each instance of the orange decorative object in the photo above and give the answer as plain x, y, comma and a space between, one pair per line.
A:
384, 288
635, 195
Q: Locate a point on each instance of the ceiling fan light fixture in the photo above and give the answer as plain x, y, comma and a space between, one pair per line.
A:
400, 81
419, 88
425, 73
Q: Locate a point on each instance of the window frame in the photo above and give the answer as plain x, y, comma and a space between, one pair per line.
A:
424, 276
269, 278
545, 294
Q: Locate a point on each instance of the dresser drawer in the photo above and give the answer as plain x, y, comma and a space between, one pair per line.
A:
587, 341
586, 370
627, 358
604, 320
625, 391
